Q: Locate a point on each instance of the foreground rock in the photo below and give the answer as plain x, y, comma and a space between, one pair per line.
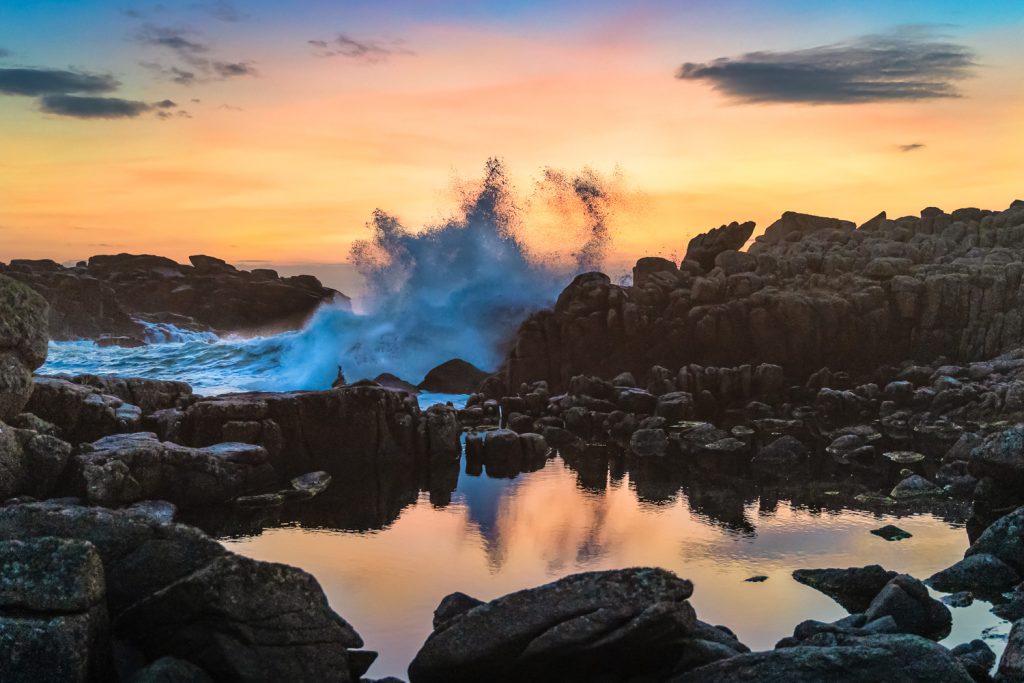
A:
103, 297
455, 376
631, 623
23, 339
853, 588
173, 592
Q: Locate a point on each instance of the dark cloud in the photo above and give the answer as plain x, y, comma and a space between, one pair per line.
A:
92, 107
34, 82
165, 104
233, 69
911, 64
176, 40
370, 51
912, 146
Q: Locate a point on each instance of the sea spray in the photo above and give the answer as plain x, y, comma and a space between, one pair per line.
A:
453, 290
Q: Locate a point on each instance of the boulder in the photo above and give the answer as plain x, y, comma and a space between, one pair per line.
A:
30, 463
82, 412
455, 376
634, 622
907, 601
1011, 664
706, 246
1003, 539
853, 588
979, 573
23, 342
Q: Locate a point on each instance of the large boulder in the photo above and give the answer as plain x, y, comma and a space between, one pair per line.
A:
706, 246
893, 658
31, 462
53, 619
23, 341
82, 412
853, 588
455, 376
979, 573
907, 601
1003, 539
629, 622
126, 468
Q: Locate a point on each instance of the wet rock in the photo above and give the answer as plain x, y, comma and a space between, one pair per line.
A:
310, 484
125, 468
976, 657
914, 486
894, 658
780, 457
649, 443
980, 573
961, 599
757, 579
853, 588
612, 623
23, 342
1011, 664
907, 601
891, 532
455, 376
53, 621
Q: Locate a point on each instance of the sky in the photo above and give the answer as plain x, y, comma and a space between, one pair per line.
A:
268, 132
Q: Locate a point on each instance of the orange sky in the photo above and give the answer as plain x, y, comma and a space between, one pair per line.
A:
292, 170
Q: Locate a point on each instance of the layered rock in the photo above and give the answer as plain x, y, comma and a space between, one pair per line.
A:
23, 340
814, 292
104, 297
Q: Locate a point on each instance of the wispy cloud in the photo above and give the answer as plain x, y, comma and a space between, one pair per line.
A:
907, 64
223, 10
371, 51
912, 146
195, 64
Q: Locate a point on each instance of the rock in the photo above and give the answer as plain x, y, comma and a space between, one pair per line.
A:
613, 623
1000, 456
83, 413
894, 658
780, 457
649, 443
288, 633
102, 297
1003, 539
23, 343
906, 600
914, 486
757, 579
853, 588
389, 381
1011, 664
53, 621
452, 606
126, 468
706, 246
30, 463
961, 599
455, 376
976, 657
980, 573
891, 532
311, 484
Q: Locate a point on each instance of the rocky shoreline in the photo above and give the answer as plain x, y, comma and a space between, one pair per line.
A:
879, 368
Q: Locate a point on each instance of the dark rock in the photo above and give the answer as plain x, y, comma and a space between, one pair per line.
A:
706, 246
853, 588
907, 601
612, 623
23, 342
1011, 664
914, 486
780, 457
757, 579
649, 443
171, 670
976, 657
452, 606
455, 376
961, 599
980, 573
891, 532
1004, 539
389, 381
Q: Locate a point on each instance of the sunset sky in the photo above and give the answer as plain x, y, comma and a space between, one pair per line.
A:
269, 131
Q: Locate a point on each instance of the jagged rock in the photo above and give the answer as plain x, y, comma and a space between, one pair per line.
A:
906, 600
125, 468
455, 376
23, 340
53, 621
82, 413
853, 588
101, 298
706, 246
980, 573
30, 463
613, 623
1003, 539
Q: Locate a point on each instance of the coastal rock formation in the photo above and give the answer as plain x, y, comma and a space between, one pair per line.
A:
455, 376
172, 592
811, 293
705, 248
614, 624
23, 340
105, 297
31, 462
853, 588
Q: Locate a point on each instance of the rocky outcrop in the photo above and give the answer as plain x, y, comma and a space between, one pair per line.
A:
634, 623
127, 468
853, 588
81, 412
455, 376
31, 462
704, 248
811, 292
23, 340
173, 592
53, 618
104, 297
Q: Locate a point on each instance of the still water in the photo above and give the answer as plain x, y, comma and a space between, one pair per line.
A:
385, 570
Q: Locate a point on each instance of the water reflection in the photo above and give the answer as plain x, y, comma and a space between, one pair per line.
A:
387, 548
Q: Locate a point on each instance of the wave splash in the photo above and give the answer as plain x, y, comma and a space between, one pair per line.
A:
456, 289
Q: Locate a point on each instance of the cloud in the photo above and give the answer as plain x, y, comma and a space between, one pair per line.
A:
911, 64
176, 40
369, 51
195, 63
912, 146
233, 69
224, 10
34, 82
84, 107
